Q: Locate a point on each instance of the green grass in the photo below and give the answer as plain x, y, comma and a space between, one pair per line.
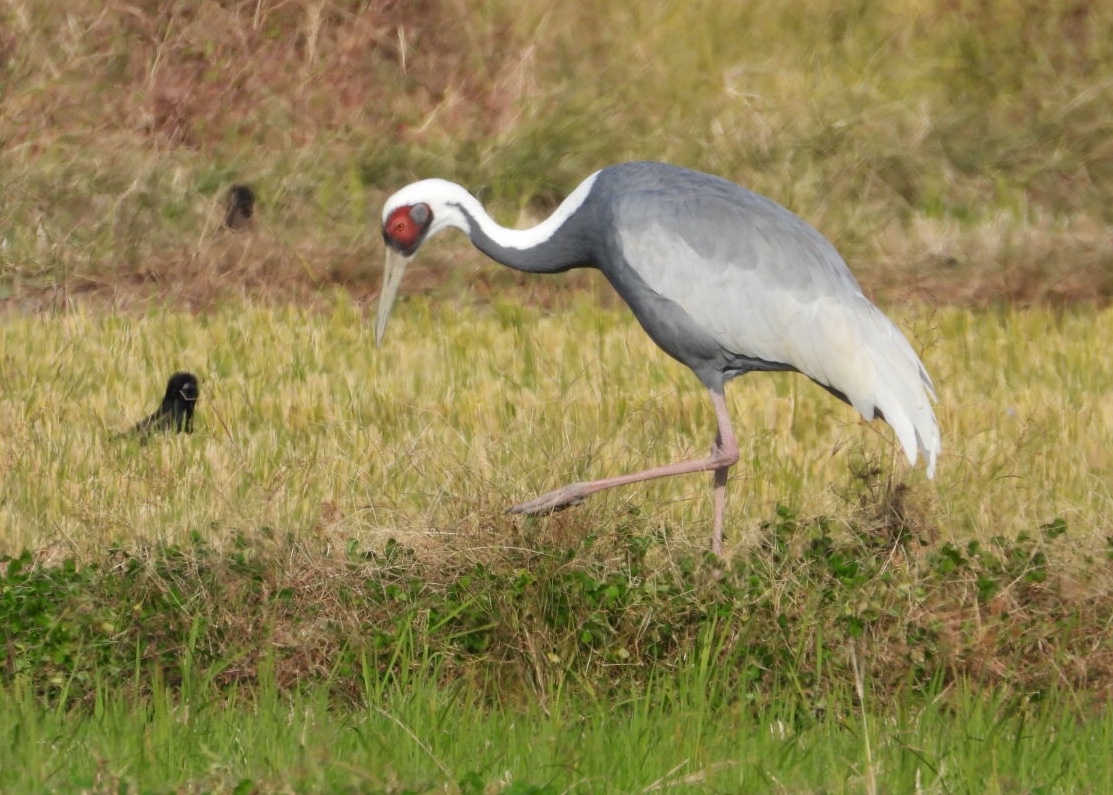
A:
425, 738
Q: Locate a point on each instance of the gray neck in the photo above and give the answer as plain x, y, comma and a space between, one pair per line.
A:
566, 248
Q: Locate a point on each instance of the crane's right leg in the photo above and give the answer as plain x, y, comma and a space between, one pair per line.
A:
723, 456
719, 483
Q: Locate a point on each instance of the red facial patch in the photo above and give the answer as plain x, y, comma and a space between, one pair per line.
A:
401, 228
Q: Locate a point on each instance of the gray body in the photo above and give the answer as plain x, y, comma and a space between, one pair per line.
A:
650, 222
727, 281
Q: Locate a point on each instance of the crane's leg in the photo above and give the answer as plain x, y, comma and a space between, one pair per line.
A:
719, 480
723, 456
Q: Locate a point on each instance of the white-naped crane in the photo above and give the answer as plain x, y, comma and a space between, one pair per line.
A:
722, 279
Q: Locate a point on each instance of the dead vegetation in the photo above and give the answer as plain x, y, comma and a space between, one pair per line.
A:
201, 74
971, 164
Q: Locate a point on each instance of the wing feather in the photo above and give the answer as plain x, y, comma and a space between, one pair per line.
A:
764, 284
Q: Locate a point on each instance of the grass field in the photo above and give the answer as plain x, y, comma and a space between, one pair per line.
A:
339, 503
672, 739
319, 589
467, 410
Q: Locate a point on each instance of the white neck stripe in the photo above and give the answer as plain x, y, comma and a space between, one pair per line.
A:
452, 205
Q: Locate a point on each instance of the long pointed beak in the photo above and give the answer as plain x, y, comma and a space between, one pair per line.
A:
393, 268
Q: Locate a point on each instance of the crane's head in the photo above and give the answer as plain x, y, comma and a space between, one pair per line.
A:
410, 216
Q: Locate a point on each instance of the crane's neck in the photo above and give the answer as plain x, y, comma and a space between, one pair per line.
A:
556, 244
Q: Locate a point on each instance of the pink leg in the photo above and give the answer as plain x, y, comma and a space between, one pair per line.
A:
723, 455
719, 480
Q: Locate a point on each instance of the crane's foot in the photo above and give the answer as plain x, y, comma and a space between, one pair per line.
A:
552, 502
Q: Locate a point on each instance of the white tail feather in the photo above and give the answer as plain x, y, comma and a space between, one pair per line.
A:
902, 391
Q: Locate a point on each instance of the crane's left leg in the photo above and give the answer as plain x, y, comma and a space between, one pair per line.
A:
723, 456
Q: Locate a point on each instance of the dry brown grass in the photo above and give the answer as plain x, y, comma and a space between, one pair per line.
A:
202, 74
956, 153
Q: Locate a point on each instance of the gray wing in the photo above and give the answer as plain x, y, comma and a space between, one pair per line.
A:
764, 284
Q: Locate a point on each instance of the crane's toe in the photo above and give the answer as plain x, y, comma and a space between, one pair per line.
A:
552, 502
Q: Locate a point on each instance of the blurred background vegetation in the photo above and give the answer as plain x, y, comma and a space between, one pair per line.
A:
956, 151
